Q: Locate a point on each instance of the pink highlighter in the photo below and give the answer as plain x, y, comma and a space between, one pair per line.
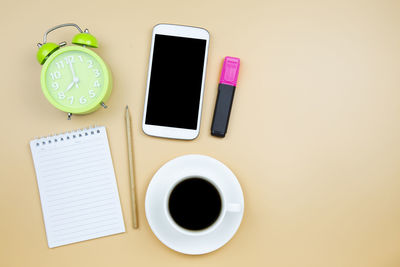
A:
226, 91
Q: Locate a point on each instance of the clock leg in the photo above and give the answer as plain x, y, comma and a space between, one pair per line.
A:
69, 116
103, 105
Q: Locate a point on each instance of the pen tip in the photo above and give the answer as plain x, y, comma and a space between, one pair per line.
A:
126, 107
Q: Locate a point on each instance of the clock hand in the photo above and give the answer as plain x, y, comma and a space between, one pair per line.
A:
74, 77
72, 70
69, 87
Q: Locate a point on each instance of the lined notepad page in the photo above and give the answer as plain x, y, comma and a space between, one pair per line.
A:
77, 186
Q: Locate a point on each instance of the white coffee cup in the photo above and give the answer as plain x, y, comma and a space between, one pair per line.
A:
230, 207
226, 206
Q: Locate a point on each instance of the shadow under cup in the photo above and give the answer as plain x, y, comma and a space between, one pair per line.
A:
194, 204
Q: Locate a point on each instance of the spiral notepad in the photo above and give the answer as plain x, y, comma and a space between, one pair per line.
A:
77, 186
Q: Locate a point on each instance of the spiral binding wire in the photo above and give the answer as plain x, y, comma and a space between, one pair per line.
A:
69, 135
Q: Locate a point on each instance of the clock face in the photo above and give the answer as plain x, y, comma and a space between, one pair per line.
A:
75, 79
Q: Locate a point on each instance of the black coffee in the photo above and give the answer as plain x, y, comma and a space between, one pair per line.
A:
194, 204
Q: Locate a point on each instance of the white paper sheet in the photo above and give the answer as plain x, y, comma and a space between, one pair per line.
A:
77, 186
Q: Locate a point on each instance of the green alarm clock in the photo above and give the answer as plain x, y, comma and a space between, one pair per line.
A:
74, 79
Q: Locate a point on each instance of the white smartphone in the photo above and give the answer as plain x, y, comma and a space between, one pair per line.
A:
175, 81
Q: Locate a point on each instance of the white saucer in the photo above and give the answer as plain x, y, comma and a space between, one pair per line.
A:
165, 177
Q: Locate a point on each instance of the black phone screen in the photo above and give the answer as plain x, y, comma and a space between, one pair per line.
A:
175, 81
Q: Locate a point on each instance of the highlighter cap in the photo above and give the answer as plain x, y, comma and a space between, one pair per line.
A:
230, 71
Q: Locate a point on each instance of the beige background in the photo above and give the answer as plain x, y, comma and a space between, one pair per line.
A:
314, 137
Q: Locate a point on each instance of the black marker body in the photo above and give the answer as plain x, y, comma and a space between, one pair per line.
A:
222, 109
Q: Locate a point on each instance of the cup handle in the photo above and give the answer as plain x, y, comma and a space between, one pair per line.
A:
233, 207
